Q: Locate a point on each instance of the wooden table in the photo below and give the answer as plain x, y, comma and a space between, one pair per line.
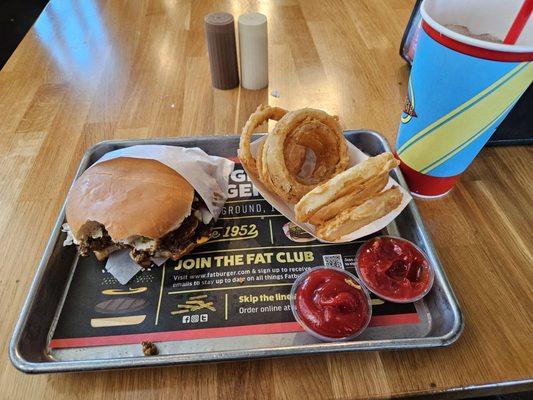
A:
95, 70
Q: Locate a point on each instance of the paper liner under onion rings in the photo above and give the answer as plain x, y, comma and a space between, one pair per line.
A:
334, 204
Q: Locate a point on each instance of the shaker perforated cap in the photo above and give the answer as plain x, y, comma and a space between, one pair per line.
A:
218, 21
220, 37
252, 19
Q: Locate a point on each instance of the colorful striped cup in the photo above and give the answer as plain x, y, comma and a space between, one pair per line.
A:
459, 91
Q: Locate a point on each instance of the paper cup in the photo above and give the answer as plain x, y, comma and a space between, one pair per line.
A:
460, 89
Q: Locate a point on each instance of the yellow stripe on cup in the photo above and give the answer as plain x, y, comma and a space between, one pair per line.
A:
463, 145
433, 145
463, 107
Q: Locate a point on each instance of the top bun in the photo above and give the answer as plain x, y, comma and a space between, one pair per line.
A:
130, 197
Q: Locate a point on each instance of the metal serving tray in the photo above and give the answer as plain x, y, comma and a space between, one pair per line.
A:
441, 321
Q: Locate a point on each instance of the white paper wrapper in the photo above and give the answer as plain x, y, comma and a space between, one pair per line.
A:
121, 266
287, 209
208, 175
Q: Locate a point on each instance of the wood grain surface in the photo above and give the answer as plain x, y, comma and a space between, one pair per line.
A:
94, 70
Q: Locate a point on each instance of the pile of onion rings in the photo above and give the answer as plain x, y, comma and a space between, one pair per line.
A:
335, 199
282, 157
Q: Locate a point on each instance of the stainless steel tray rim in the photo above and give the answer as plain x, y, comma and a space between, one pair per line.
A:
53, 365
227, 355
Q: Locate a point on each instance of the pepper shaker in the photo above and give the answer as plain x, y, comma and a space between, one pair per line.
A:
220, 37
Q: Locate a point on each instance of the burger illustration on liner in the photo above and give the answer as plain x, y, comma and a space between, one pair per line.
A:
296, 234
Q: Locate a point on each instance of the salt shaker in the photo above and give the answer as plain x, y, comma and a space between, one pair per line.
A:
253, 48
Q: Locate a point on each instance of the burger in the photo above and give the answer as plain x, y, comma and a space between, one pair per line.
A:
136, 204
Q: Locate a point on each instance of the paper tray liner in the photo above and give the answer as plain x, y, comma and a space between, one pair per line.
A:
236, 284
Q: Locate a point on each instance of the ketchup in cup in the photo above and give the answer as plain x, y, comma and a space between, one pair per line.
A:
394, 269
330, 304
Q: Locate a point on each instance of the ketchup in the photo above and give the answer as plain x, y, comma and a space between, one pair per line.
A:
394, 268
331, 303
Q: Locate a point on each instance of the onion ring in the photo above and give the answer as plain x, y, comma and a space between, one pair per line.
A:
314, 129
353, 185
355, 218
259, 116
315, 137
358, 196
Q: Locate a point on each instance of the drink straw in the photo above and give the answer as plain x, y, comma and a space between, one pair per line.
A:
519, 22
